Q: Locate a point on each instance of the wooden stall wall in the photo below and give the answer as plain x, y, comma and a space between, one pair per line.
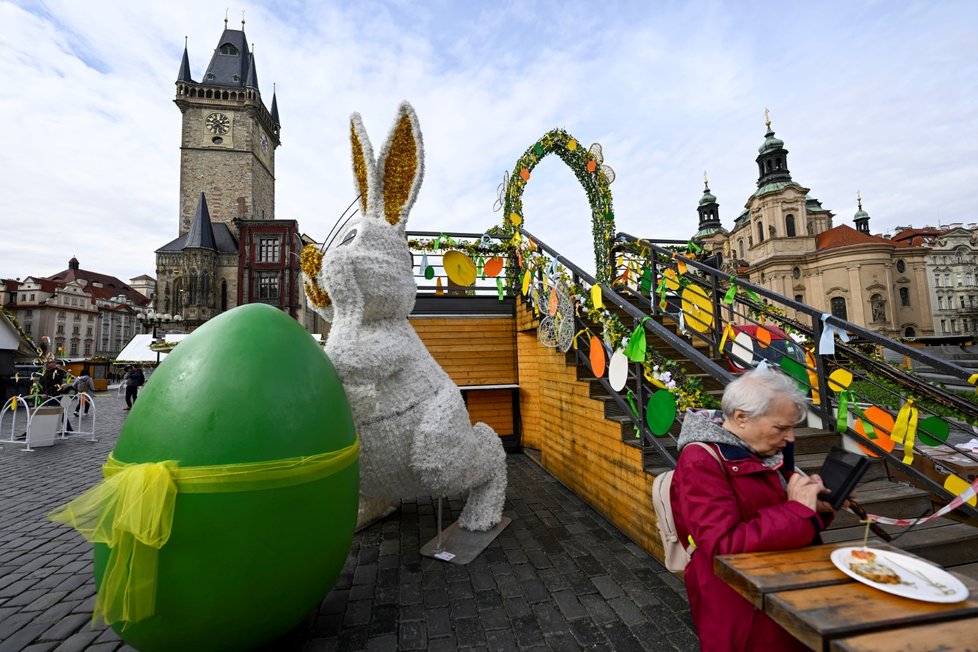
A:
472, 350
577, 444
493, 407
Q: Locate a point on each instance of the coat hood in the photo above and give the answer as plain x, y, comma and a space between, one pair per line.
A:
707, 426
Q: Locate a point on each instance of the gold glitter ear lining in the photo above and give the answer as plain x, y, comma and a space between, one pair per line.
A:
311, 262
359, 168
399, 169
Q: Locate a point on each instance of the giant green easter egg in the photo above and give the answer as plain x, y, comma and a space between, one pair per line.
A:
243, 567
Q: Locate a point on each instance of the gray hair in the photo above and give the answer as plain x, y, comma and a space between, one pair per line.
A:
756, 390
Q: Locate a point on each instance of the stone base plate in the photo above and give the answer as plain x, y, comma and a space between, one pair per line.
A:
462, 545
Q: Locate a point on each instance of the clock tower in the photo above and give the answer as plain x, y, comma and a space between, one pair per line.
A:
229, 250
228, 137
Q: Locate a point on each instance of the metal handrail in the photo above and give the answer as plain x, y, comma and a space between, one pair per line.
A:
679, 344
713, 281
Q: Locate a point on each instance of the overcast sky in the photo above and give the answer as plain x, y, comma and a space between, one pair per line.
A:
880, 97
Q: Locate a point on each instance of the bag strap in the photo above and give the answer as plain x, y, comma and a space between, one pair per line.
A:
709, 449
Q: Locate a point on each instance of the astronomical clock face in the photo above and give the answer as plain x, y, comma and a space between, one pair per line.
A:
217, 123
263, 142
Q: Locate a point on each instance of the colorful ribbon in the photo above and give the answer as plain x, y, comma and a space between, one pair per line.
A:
631, 403
905, 429
131, 511
958, 500
635, 350
728, 332
596, 301
826, 343
579, 333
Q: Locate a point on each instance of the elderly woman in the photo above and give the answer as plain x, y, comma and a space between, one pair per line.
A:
747, 500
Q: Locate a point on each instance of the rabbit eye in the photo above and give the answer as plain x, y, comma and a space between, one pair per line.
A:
349, 237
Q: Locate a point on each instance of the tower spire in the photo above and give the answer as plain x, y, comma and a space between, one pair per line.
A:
861, 218
772, 159
184, 74
226, 10
709, 211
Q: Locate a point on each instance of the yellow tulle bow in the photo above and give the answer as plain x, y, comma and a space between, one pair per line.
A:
131, 511
905, 429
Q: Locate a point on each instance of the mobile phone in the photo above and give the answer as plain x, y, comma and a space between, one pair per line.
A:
840, 473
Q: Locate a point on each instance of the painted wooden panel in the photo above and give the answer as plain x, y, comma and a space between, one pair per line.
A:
472, 351
493, 407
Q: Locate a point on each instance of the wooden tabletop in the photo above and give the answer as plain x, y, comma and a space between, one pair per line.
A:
805, 593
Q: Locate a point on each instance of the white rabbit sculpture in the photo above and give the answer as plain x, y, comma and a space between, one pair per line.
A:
415, 434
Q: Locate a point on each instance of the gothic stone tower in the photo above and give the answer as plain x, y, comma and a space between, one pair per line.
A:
228, 137
227, 177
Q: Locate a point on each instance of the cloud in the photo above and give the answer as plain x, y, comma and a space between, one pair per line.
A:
867, 96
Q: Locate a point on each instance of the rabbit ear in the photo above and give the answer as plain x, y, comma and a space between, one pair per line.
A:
401, 164
364, 168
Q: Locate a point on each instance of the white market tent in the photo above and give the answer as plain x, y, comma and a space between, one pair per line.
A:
138, 351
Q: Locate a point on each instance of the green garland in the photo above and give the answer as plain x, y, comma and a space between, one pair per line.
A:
595, 184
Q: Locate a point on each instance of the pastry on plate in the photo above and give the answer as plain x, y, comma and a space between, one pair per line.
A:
864, 563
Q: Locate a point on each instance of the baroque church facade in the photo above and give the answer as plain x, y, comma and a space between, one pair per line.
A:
785, 240
230, 249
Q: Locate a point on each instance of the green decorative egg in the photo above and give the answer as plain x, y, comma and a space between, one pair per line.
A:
243, 567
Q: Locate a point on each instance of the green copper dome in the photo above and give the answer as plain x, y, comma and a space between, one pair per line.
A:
770, 142
708, 197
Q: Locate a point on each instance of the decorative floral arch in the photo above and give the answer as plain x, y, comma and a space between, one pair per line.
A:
592, 175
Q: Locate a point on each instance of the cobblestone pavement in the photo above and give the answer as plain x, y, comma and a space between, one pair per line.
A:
559, 577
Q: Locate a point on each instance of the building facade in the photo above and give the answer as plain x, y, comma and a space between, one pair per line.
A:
85, 314
952, 269
785, 240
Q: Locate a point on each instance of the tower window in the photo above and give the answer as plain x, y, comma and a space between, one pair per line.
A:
268, 288
909, 332
789, 225
796, 272
740, 247
760, 233
228, 50
268, 250
904, 297
901, 266
839, 308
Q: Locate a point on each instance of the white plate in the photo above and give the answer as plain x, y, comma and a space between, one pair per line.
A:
920, 580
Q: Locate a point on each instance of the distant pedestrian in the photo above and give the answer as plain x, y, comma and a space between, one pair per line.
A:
84, 385
134, 379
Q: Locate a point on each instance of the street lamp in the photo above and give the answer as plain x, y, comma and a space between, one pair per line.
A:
155, 319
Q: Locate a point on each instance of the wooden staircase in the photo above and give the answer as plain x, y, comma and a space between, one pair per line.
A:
949, 543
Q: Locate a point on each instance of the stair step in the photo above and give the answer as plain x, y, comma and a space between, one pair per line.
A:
814, 440
969, 570
812, 462
886, 498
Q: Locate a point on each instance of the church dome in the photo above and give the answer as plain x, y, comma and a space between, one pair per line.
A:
770, 142
707, 198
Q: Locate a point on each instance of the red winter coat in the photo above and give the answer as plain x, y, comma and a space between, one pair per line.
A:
740, 508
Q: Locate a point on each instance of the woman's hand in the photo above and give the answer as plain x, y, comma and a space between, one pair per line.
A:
806, 490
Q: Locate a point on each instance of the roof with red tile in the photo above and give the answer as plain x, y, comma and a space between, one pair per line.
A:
846, 236
111, 286
916, 236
